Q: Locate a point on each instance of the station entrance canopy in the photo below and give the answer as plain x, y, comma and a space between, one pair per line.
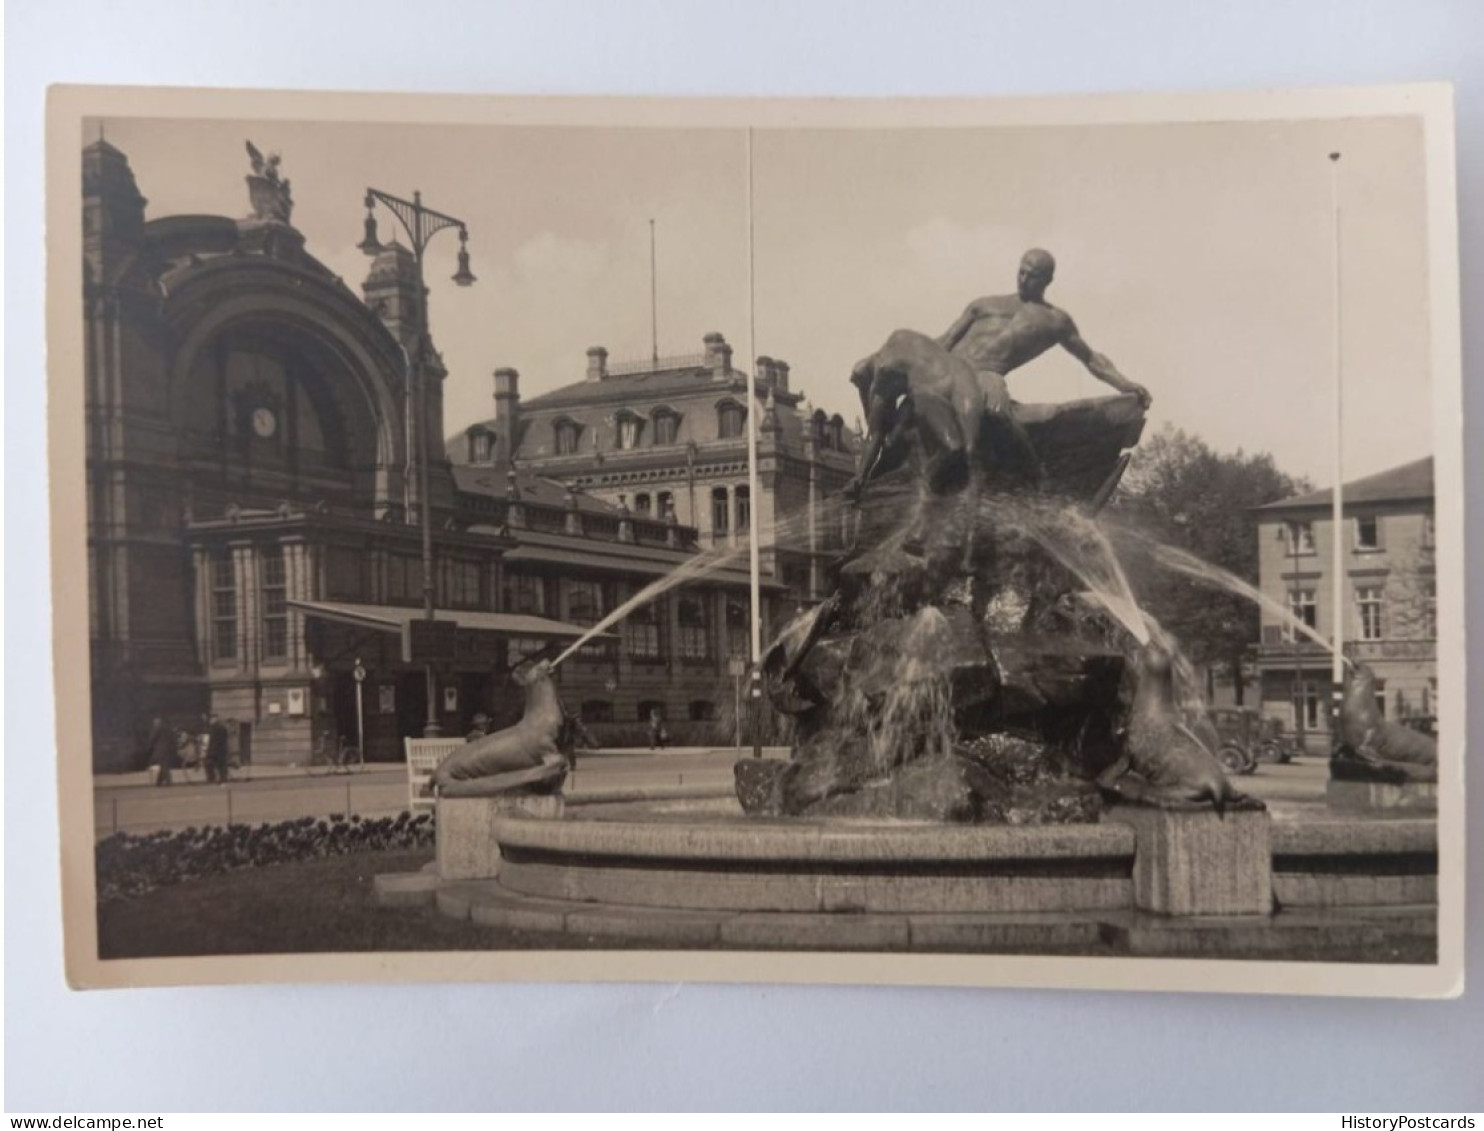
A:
422, 642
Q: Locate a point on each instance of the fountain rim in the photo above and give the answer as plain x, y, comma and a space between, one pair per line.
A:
750, 840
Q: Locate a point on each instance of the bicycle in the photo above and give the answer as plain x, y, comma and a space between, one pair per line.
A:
341, 758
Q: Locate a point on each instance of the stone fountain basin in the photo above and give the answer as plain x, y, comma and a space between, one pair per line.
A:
698, 861
683, 868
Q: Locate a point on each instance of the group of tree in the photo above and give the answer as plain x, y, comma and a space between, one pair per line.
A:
1180, 492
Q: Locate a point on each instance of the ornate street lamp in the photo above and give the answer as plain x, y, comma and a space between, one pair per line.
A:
421, 224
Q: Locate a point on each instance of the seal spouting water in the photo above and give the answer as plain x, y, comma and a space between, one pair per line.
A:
482, 766
1164, 763
1369, 740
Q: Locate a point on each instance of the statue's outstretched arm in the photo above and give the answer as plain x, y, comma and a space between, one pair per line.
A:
1103, 369
954, 334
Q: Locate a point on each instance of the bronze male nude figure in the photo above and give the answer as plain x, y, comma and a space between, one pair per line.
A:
946, 391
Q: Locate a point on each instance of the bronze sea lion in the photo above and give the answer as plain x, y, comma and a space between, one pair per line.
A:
1164, 763
1368, 738
528, 745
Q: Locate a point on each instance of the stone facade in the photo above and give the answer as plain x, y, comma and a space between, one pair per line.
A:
667, 437
254, 510
1389, 610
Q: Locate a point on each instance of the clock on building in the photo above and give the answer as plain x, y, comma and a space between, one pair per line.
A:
264, 422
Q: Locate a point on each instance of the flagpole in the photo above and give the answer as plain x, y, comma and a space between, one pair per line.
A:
1337, 516
654, 307
754, 498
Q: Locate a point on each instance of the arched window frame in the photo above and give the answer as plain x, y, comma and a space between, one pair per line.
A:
731, 419
666, 428
566, 435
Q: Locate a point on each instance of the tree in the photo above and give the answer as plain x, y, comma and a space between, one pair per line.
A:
1180, 492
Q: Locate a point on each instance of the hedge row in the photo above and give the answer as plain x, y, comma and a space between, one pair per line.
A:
131, 865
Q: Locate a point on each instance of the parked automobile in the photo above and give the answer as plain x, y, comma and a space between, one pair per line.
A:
1275, 743
1238, 733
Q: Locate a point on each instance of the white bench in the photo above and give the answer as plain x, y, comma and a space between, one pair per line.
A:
423, 756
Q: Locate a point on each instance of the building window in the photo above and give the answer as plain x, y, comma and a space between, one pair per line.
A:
629, 427
665, 502
1308, 703
404, 579
275, 604
720, 508
647, 707
729, 420
461, 585
597, 711
566, 437
345, 574
702, 711
695, 628
586, 605
1368, 533
1368, 604
641, 504
480, 447
1301, 537
223, 606
524, 593
519, 648
739, 629
1302, 606
666, 426
641, 633
743, 495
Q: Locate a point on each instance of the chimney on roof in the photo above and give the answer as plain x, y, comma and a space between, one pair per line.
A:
718, 355
780, 375
507, 414
597, 363
765, 375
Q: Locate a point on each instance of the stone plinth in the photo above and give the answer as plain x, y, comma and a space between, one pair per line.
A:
1368, 796
467, 848
1199, 862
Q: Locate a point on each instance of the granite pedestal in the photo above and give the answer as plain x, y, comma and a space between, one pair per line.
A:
1199, 862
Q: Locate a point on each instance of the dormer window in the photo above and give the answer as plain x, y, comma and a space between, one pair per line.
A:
666, 425
730, 417
481, 446
567, 433
629, 429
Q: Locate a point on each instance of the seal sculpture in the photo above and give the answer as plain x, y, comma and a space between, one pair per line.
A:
1373, 747
526, 756
1164, 763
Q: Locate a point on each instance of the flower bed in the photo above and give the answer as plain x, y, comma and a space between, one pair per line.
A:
130, 865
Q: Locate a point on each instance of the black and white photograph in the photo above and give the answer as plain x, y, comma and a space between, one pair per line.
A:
961, 543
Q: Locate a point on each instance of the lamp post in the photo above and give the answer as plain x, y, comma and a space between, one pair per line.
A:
359, 671
421, 224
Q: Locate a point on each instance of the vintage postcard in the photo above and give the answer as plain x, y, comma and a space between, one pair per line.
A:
986, 543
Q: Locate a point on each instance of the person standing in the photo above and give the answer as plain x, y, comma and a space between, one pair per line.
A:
658, 736
161, 747
216, 751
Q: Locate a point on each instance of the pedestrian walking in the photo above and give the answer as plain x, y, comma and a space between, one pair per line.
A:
161, 746
216, 751
658, 735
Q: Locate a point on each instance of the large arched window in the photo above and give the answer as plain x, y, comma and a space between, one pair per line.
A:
276, 407
730, 419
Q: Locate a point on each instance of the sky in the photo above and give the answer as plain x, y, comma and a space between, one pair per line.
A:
1198, 258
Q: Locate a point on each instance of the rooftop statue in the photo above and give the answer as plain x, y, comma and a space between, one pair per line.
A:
267, 189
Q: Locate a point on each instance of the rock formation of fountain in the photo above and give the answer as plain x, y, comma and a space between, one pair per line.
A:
971, 664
